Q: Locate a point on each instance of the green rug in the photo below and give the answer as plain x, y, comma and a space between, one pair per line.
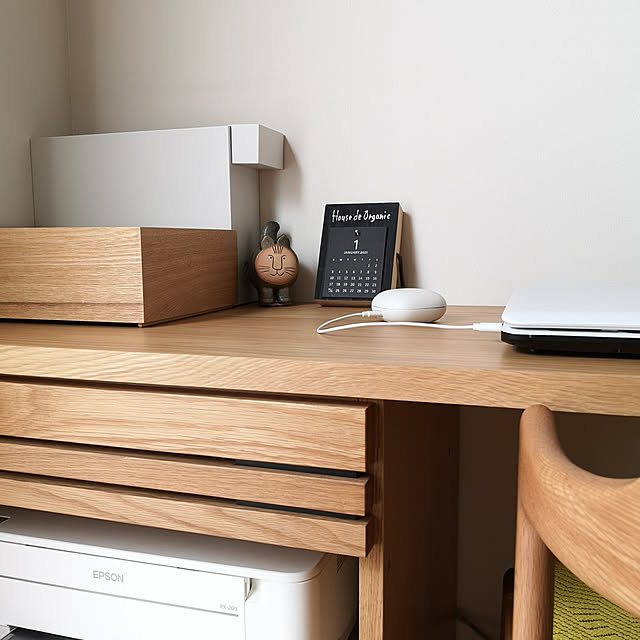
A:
580, 613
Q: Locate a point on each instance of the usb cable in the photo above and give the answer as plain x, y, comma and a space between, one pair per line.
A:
476, 326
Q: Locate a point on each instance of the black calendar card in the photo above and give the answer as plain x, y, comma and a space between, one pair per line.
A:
358, 252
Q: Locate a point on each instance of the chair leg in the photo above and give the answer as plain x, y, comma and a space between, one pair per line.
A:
533, 584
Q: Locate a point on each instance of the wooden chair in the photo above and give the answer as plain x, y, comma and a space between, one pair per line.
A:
591, 524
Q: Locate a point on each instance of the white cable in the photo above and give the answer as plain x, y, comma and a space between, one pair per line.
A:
476, 326
487, 326
321, 329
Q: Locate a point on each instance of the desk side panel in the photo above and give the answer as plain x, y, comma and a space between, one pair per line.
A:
408, 580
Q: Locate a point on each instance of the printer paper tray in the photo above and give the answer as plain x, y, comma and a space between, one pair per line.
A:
91, 616
86, 597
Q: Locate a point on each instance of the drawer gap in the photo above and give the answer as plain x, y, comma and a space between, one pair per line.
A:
342, 473
263, 505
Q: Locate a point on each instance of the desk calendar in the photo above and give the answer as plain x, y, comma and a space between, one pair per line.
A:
358, 252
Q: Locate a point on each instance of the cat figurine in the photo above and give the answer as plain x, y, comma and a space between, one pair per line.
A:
274, 267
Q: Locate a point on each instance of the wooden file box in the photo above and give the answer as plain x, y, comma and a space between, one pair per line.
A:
138, 275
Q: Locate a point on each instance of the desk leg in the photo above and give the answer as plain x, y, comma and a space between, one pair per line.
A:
408, 580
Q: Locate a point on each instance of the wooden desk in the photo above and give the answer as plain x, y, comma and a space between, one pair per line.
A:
139, 425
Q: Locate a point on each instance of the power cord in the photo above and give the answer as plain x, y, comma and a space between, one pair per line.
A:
476, 326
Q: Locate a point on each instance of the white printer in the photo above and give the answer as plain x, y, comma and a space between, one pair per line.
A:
95, 580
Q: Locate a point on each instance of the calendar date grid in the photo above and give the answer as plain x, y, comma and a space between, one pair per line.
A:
357, 276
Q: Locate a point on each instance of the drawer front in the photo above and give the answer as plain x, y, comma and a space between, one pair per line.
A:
187, 474
325, 435
182, 512
157, 458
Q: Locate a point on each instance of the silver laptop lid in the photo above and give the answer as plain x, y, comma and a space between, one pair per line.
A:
575, 306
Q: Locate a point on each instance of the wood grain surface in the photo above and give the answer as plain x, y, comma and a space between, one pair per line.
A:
408, 579
115, 274
71, 265
590, 523
181, 512
328, 435
186, 474
276, 350
532, 617
187, 271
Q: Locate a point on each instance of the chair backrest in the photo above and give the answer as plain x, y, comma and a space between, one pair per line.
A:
590, 523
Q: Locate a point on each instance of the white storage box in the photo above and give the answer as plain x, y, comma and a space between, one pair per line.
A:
202, 178
97, 580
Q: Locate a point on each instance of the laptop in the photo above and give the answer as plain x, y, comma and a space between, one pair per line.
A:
576, 318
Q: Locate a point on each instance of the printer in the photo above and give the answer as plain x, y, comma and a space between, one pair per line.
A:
88, 579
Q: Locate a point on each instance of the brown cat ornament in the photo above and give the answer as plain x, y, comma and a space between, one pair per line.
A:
274, 267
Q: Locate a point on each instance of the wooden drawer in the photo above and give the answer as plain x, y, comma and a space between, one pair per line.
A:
158, 458
186, 474
181, 512
326, 435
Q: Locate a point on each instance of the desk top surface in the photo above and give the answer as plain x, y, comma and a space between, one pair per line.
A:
277, 350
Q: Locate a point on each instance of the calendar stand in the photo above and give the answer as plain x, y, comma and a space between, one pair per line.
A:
359, 252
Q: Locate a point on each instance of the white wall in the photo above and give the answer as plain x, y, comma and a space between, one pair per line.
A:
34, 95
508, 130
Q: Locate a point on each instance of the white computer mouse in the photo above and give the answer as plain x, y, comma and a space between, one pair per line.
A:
409, 305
